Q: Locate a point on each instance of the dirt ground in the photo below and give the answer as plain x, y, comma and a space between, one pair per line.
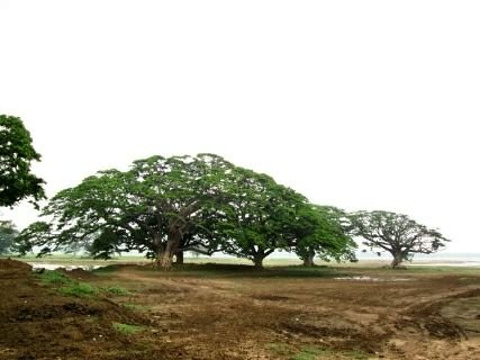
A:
228, 312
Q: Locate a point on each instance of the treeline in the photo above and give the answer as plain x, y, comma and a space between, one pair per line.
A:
166, 206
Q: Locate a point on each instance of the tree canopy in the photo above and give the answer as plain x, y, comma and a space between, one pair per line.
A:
154, 207
261, 216
324, 231
164, 206
397, 234
16, 156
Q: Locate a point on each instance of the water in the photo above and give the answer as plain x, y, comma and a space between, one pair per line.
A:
436, 259
52, 266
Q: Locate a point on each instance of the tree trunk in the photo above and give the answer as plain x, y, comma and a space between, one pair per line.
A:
157, 241
179, 257
166, 258
158, 258
258, 260
397, 260
308, 260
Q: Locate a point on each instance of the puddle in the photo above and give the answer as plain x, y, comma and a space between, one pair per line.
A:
52, 266
369, 278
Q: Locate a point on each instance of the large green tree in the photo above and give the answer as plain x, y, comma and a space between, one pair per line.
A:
159, 206
262, 216
397, 234
8, 232
16, 156
324, 231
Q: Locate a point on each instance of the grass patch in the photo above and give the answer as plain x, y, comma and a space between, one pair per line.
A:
127, 329
78, 289
70, 287
66, 285
55, 278
116, 290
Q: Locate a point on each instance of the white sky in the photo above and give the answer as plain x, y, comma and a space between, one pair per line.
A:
358, 104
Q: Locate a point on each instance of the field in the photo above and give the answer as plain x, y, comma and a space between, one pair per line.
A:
227, 311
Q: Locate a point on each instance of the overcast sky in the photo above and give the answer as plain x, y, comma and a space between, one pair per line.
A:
359, 104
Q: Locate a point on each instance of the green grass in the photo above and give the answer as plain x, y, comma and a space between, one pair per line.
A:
127, 329
78, 289
55, 278
116, 290
311, 353
67, 286
70, 287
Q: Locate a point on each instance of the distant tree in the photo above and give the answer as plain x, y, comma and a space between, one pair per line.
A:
8, 232
324, 231
262, 216
397, 234
16, 155
159, 206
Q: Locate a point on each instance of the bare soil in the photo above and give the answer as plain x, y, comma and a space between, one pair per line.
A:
235, 312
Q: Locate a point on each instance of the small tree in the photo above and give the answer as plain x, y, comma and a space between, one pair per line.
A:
16, 156
397, 234
8, 232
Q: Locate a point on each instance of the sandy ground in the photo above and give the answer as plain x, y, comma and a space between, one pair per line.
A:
226, 312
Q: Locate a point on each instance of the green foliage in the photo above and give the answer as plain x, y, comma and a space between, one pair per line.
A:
127, 329
164, 206
8, 232
158, 206
16, 155
260, 217
323, 231
395, 233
